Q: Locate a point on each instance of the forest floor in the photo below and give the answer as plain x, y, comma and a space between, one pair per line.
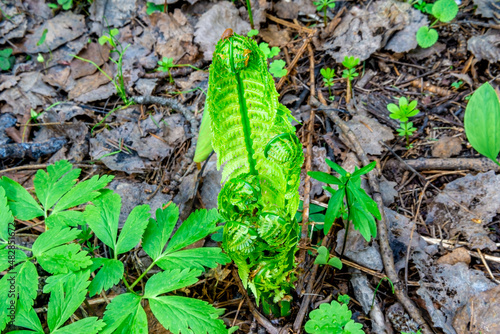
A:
441, 198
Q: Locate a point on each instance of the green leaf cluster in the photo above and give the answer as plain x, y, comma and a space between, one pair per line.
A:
151, 7
403, 112
110, 38
323, 5
482, 122
332, 318
66, 4
444, 11
324, 258
7, 60
328, 74
277, 68
262, 158
55, 250
349, 201
423, 6
269, 52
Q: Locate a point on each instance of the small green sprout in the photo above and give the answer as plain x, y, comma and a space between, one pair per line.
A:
402, 113
110, 39
328, 75
323, 5
166, 64
324, 258
423, 6
331, 318
6, 59
277, 68
444, 11
66, 4
349, 73
269, 52
344, 299
457, 84
151, 7
253, 32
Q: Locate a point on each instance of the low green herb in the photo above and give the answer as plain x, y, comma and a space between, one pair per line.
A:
482, 122
323, 5
358, 207
151, 7
443, 11
7, 60
252, 32
323, 258
57, 253
457, 84
403, 112
65, 4
269, 52
332, 318
328, 75
277, 68
378, 285
423, 6
166, 64
350, 73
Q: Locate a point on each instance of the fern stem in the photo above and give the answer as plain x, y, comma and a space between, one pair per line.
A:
243, 111
250, 16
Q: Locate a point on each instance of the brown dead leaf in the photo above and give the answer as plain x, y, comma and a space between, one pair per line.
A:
61, 29
369, 131
58, 76
486, 46
290, 9
90, 83
488, 9
15, 26
113, 13
457, 255
447, 147
95, 52
274, 36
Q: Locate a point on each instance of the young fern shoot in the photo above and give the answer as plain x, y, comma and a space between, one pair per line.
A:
262, 158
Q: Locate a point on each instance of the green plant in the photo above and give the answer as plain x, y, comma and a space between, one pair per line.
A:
66, 4
262, 158
269, 52
418, 332
349, 73
166, 64
358, 208
323, 257
7, 60
482, 122
151, 7
378, 285
328, 75
250, 16
333, 318
403, 112
118, 80
56, 252
252, 32
277, 68
457, 84
423, 6
443, 11
323, 5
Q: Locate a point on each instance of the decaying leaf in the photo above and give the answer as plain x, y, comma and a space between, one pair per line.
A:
369, 131
15, 26
466, 206
214, 22
114, 13
486, 46
488, 9
290, 9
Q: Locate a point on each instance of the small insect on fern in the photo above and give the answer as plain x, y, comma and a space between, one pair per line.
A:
262, 158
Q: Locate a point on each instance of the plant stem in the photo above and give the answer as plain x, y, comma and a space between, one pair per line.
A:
243, 111
347, 223
22, 247
324, 15
250, 16
142, 275
406, 134
330, 90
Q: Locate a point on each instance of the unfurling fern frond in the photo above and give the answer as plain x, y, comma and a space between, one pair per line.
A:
262, 158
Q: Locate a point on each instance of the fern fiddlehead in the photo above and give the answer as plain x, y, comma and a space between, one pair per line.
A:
262, 158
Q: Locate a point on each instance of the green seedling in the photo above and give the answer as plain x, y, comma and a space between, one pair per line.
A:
457, 84
378, 285
443, 11
262, 157
349, 73
332, 318
323, 5
277, 68
323, 258
482, 122
7, 60
328, 75
59, 252
417, 332
423, 6
110, 38
252, 32
269, 52
402, 113
166, 64
151, 7
65, 4
349, 202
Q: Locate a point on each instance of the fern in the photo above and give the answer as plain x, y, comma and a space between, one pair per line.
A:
262, 157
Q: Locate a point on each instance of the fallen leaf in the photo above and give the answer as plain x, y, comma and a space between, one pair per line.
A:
486, 46
369, 131
290, 9
447, 147
112, 13
489, 9
457, 255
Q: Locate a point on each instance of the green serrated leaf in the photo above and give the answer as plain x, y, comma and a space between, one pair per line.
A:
133, 229
50, 186
445, 10
325, 177
21, 203
83, 192
65, 219
170, 280
136, 323
53, 238
187, 315
119, 310
109, 275
334, 205
195, 258
158, 231
197, 226
332, 318
103, 217
90, 325
6, 219
11, 256
64, 258
26, 317
482, 122
427, 37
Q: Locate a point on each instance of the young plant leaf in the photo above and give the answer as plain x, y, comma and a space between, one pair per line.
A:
332, 318
64, 258
170, 280
334, 206
482, 122
445, 10
365, 170
133, 229
109, 275
336, 167
21, 203
53, 238
158, 231
325, 178
195, 258
277, 68
6, 219
26, 317
204, 143
119, 311
427, 37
